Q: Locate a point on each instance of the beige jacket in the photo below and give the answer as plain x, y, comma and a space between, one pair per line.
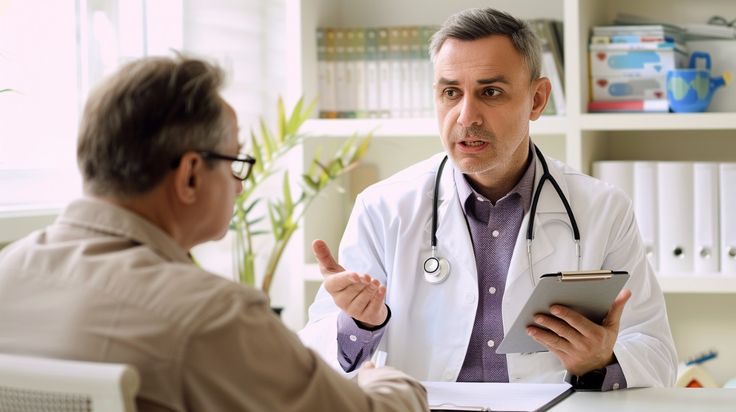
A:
103, 284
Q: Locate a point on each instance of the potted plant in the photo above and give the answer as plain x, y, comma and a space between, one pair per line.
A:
284, 212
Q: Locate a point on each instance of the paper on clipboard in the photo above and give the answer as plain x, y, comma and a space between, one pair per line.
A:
484, 396
589, 293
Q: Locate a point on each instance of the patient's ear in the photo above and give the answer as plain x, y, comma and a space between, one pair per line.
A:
187, 177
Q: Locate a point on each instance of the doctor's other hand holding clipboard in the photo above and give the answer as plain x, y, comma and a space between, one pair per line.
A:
581, 344
358, 295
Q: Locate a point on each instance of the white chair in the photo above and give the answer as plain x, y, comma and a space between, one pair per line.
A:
30, 384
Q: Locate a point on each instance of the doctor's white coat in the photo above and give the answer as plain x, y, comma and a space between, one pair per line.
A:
388, 237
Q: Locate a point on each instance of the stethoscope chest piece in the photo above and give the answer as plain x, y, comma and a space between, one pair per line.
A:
436, 270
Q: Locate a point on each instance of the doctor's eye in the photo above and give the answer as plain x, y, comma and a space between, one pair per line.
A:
451, 93
490, 92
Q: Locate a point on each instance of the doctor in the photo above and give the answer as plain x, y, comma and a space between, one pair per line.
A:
442, 319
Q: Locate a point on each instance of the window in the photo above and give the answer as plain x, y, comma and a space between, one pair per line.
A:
52, 52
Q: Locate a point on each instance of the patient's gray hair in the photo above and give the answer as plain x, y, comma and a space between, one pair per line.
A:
144, 117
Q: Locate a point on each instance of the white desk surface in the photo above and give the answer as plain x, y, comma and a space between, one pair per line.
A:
650, 399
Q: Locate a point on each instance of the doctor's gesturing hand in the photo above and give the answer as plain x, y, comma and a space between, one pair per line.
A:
360, 296
580, 344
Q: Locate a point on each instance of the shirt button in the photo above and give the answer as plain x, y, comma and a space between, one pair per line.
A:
470, 298
449, 375
492, 290
495, 233
491, 343
480, 199
353, 338
616, 386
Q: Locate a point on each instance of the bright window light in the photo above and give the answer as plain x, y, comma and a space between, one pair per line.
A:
53, 52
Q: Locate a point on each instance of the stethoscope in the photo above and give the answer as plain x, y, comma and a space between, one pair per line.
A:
437, 269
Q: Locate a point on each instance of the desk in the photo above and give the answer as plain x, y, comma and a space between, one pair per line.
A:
650, 399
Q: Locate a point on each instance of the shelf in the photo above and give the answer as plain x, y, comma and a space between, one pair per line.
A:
547, 125
698, 284
658, 121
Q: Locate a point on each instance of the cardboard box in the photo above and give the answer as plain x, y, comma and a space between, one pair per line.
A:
635, 59
628, 88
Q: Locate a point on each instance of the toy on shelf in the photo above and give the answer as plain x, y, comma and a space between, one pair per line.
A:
691, 375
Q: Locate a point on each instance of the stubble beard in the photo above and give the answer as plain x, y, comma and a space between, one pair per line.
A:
477, 164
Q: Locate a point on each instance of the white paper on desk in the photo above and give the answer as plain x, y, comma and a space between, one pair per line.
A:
495, 396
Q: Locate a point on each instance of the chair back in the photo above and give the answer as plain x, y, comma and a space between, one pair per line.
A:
30, 384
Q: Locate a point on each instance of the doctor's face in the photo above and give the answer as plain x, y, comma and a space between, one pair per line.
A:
484, 100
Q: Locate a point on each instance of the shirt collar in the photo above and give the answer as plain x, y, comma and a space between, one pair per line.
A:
522, 188
104, 217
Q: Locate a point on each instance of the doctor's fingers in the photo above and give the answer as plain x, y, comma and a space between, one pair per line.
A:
558, 326
327, 264
580, 323
363, 294
549, 339
368, 306
613, 317
341, 281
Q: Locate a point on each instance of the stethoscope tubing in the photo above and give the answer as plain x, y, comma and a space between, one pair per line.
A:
546, 176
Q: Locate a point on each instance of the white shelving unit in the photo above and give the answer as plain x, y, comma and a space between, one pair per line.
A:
578, 138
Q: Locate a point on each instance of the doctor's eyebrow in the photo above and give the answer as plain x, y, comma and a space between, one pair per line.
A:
490, 80
495, 79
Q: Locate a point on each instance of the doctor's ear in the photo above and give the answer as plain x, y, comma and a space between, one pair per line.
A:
187, 177
541, 89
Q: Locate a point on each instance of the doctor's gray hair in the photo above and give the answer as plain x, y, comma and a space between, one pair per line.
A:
474, 24
143, 118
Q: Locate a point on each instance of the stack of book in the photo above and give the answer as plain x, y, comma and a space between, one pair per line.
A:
629, 64
549, 33
374, 72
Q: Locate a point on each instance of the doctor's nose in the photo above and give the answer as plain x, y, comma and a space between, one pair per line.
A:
469, 114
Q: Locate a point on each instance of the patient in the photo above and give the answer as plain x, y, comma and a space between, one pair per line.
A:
112, 281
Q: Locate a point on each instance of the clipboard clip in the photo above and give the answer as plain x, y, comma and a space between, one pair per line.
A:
443, 407
585, 275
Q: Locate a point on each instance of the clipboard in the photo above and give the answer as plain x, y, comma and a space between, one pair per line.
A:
589, 293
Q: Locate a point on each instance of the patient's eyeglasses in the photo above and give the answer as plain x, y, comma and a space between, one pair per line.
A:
240, 165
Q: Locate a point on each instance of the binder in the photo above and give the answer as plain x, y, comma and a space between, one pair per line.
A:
676, 239
728, 217
639, 181
590, 293
646, 208
706, 225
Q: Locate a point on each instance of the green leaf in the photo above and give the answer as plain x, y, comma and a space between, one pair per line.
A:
361, 150
346, 147
256, 153
252, 205
276, 226
281, 121
315, 161
311, 184
288, 204
292, 126
268, 144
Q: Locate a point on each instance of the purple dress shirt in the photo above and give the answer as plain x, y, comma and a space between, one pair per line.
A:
493, 229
